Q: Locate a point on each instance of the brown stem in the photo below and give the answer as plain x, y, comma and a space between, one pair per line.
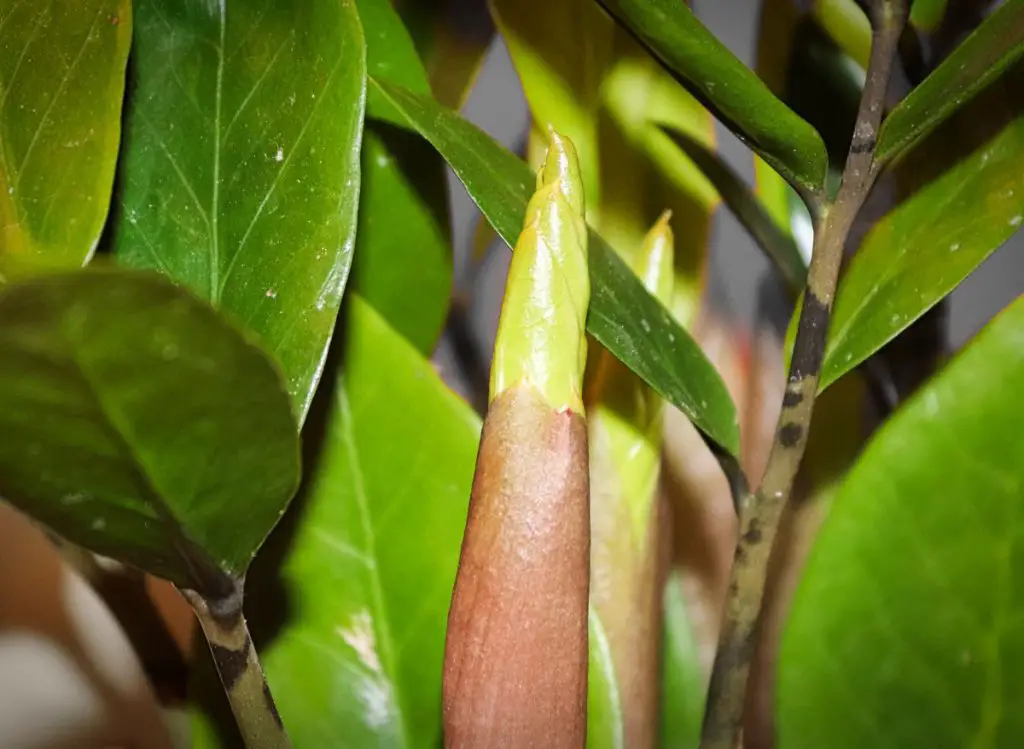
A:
239, 670
760, 514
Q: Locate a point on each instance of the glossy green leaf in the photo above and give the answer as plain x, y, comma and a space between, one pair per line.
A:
604, 709
846, 22
928, 244
370, 569
682, 683
138, 424
62, 82
992, 48
671, 31
927, 14
240, 168
403, 264
623, 317
775, 241
906, 628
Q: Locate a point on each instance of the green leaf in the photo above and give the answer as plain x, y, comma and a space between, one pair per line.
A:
993, 47
240, 170
905, 630
623, 317
62, 82
682, 682
403, 264
775, 241
604, 709
927, 14
370, 570
674, 35
138, 424
929, 243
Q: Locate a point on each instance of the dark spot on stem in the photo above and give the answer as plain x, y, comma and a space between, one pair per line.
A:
790, 434
271, 707
753, 534
792, 398
863, 146
809, 347
231, 664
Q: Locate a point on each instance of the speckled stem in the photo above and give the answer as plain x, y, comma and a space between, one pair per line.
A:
760, 514
239, 669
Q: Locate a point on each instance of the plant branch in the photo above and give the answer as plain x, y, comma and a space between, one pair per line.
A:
239, 669
760, 514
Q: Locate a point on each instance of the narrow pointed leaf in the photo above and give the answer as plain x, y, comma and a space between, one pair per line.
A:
403, 264
906, 628
623, 317
370, 568
775, 241
674, 35
62, 81
240, 168
980, 59
931, 242
139, 424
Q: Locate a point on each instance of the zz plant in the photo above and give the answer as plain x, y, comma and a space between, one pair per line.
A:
226, 261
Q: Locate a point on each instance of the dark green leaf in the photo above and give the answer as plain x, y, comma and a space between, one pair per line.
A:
776, 242
991, 49
370, 570
403, 261
682, 683
137, 423
905, 630
62, 80
240, 172
932, 241
623, 317
674, 35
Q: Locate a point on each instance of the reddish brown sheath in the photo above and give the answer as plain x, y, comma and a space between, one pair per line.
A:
515, 671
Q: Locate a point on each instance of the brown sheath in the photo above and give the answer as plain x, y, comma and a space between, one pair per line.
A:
515, 672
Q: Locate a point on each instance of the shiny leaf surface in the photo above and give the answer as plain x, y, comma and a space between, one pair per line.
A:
992, 48
928, 244
62, 82
138, 424
623, 317
906, 628
370, 568
672, 32
403, 264
240, 168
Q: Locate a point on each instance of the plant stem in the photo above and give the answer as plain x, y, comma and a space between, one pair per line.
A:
760, 514
239, 670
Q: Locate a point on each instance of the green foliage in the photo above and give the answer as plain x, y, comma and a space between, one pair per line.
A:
62, 80
624, 318
370, 557
905, 629
991, 49
140, 425
232, 122
672, 32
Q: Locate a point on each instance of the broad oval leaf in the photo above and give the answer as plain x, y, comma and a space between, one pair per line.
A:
240, 170
370, 570
993, 47
927, 14
927, 245
138, 424
906, 628
623, 317
403, 263
62, 70
672, 32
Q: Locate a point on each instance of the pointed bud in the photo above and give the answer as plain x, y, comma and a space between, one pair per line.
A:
515, 672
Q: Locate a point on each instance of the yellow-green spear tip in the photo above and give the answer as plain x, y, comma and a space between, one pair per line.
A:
657, 257
541, 340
